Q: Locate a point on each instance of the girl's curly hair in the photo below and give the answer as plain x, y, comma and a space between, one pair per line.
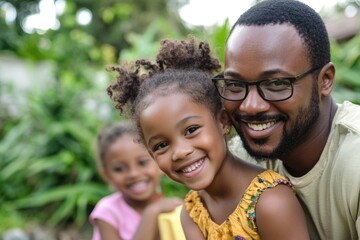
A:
108, 136
181, 67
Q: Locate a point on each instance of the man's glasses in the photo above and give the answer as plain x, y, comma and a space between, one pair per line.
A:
272, 90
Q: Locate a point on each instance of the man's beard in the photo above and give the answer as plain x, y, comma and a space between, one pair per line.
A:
304, 123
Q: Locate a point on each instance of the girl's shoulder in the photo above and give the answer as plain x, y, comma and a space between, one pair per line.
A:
111, 198
113, 206
267, 179
278, 211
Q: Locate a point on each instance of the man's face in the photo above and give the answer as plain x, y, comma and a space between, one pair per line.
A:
271, 129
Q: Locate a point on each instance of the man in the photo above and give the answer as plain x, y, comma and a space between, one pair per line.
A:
276, 86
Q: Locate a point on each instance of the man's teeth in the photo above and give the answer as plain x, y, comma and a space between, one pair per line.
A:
192, 167
260, 127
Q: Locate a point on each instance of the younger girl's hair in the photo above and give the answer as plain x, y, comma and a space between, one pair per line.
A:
108, 136
181, 67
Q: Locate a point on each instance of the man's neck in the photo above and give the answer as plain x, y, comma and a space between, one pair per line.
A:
305, 156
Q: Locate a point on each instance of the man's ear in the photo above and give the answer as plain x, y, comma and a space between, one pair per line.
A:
225, 122
326, 79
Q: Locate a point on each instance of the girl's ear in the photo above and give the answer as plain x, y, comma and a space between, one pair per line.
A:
225, 122
105, 176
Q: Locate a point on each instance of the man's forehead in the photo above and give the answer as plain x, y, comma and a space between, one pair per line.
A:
250, 31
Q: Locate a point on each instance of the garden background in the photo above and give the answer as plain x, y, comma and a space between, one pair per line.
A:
53, 97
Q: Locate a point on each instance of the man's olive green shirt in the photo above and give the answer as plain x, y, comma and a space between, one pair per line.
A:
330, 191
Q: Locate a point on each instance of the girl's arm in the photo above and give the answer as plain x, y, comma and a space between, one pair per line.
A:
191, 230
148, 227
107, 232
279, 215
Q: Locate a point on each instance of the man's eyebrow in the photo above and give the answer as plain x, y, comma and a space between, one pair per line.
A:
265, 74
232, 74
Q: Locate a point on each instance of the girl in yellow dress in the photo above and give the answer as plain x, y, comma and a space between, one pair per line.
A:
181, 121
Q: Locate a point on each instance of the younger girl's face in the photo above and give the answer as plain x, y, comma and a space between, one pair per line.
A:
185, 140
131, 170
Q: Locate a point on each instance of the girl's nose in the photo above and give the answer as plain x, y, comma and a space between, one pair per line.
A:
182, 150
134, 171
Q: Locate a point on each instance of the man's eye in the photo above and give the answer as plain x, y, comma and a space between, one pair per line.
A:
235, 86
277, 84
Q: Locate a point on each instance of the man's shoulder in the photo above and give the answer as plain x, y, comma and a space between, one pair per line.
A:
346, 138
348, 116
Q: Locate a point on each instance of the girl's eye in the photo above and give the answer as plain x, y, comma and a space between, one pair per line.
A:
160, 146
118, 169
191, 129
143, 162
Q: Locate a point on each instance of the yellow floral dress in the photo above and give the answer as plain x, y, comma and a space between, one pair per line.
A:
240, 225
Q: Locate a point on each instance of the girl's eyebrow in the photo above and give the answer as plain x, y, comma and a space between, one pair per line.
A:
152, 139
185, 119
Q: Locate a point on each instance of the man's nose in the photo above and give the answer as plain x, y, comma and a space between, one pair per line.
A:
254, 103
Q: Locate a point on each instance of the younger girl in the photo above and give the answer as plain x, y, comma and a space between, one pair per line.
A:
181, 121
132, 211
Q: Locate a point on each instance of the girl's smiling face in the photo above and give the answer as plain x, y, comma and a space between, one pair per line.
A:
185, 139
131, 170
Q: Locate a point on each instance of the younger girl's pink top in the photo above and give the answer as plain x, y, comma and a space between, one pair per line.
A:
115, 211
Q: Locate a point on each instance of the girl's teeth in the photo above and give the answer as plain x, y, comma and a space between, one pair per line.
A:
193, 166
139, 186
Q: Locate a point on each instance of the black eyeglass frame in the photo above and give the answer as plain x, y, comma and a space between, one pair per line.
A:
258, 82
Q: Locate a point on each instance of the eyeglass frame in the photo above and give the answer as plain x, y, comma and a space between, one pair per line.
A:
258, 82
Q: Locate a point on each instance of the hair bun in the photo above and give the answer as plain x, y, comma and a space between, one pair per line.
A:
178, 54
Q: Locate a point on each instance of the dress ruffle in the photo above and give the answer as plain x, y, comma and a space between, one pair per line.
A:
241, 224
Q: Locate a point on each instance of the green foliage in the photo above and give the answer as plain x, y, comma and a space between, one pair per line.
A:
51, 164
173, 189
73, 201
346, 57
146, 44
9, 218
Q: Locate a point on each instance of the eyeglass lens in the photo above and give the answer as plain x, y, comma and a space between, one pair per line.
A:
272, 90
